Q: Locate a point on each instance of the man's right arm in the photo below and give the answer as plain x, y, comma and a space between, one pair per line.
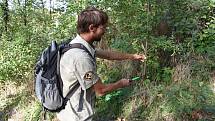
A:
102, 89
115, 55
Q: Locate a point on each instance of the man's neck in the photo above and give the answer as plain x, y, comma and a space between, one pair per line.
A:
87, 38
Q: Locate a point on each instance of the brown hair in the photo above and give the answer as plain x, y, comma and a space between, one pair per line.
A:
89, 16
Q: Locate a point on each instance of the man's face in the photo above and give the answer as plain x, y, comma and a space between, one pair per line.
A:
99, 32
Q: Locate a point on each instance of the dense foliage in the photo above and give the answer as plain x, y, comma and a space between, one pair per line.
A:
178, 37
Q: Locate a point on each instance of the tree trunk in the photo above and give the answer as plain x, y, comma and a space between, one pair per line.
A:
19, 2
5, 16
43, 5
25, 13
50, 11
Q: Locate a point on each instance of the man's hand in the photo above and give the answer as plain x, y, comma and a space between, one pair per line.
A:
140, 57
124, 83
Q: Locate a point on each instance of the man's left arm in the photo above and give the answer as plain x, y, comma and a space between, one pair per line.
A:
114, 55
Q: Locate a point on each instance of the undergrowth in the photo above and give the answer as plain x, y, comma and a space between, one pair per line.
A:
185, 97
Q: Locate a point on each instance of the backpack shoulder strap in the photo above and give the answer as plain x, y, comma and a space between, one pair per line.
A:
77, 45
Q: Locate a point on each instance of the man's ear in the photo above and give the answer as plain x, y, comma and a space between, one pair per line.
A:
92, 28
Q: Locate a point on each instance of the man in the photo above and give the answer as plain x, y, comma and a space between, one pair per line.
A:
77, 67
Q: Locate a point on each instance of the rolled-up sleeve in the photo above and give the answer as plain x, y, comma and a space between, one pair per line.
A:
86, 72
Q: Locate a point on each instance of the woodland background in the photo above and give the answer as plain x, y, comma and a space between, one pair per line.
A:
178, 36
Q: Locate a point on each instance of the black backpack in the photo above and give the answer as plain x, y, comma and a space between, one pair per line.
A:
48, 83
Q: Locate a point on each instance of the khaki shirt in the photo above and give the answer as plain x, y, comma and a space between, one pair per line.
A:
77, 64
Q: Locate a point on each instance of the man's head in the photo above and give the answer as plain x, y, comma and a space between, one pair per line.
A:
94, 21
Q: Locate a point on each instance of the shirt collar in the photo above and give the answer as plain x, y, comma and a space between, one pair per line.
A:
79, 39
